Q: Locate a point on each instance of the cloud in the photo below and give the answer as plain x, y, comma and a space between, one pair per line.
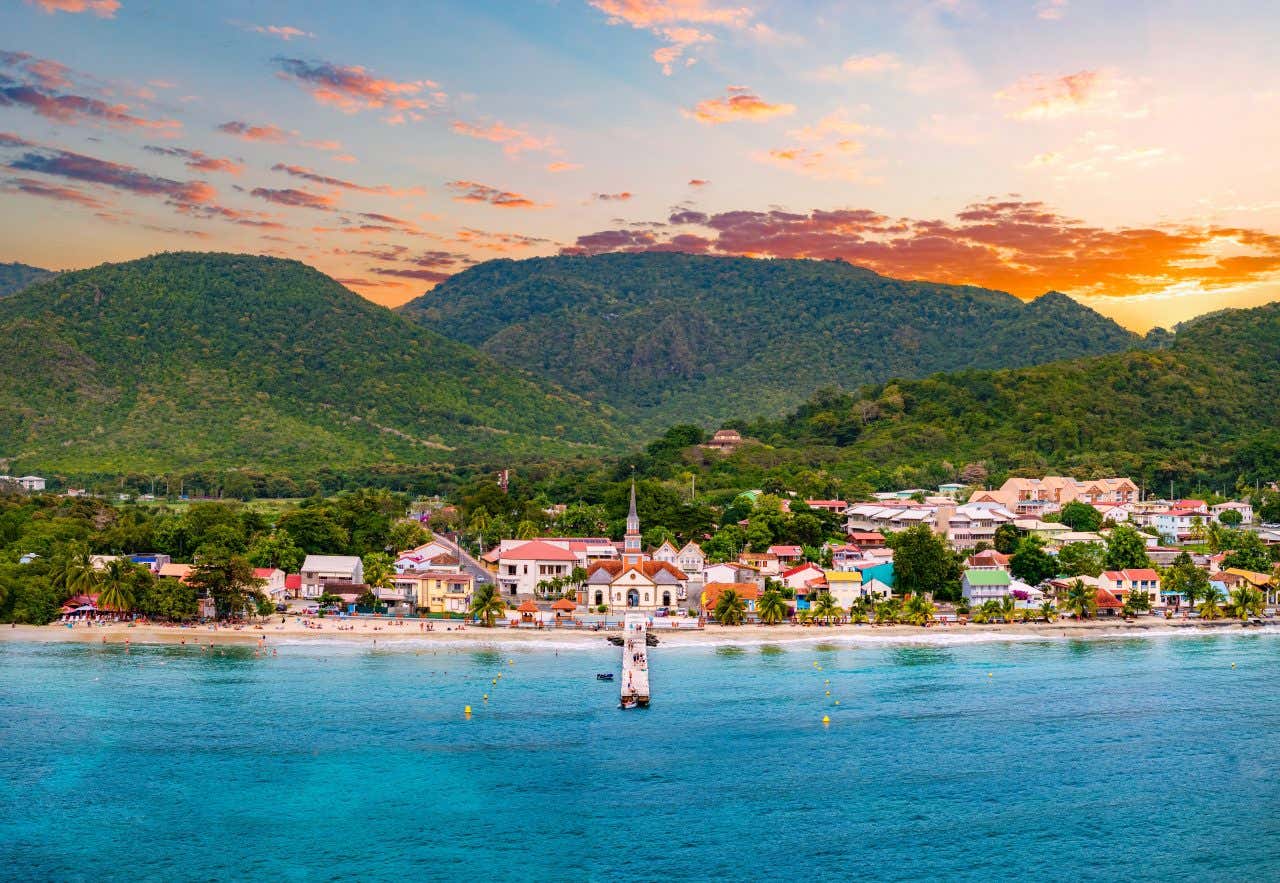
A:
295, 198
1051, 10
879, 63
559, 166
470, 191
314, 177
247, 132
32, 187
829, 162
497, 242
612, 197
79, 167
513, 140
198, 160
100, 8
432, 276
40, 85
1040, 97
1023, 247
698, 182
739, 103
284, 32
1096, 155
674, 22
352, 88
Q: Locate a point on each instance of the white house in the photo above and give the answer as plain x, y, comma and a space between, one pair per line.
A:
272, 582
522, 567
691, 560
321, 570
1177, 525
26, 482
730, 572
979, 586
1245, 510
667, 552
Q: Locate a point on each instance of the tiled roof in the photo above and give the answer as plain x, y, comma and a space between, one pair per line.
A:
536, 550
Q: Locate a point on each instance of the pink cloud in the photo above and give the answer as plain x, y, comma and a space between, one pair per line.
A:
32, 187
471, 191
284, 32
352, 88
295, 198
100, 8
513, 140
198, 160
739, 103
314, 177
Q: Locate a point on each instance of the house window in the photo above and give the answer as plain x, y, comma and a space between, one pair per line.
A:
599, 597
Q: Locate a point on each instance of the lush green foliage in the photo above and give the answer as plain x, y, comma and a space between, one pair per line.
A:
689, 337
185, 360
15, 277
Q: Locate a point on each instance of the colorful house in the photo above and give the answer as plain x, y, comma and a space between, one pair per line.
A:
980, 586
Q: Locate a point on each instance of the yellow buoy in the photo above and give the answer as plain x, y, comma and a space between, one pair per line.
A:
467, 711
828, 692
1233, 665
827, 681
826, 719
486, 697
837, 702
988, 674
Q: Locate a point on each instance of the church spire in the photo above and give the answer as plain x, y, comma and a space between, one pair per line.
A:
631, 551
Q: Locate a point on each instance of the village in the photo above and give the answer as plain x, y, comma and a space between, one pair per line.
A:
1033, 549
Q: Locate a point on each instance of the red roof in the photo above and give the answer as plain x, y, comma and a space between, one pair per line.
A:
263, 572
536, 550
786, 550
1138, 574
293, 580
648, 568
564, 604
1107, 601
747, 591
527, 607
799, 568
826, 504
866, 536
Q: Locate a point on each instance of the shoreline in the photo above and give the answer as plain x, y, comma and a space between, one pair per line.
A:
384, 634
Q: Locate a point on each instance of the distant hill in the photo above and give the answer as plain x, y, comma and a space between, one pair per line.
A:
670, 337
1203, 408
15, 277
190, 359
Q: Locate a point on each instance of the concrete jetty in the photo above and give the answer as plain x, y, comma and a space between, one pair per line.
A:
635, 661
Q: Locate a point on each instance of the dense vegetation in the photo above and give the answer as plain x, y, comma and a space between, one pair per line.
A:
674, 337
220, 360
15, 277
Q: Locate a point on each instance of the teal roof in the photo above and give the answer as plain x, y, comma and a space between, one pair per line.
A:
987, 577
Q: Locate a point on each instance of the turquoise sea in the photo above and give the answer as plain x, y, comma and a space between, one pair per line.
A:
1123, 758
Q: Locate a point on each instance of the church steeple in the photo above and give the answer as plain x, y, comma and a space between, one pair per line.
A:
631, 552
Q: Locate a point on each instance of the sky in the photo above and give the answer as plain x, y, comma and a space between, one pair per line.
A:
1120, 152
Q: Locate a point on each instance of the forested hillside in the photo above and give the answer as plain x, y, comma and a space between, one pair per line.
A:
186, 360
669, 337
15, 277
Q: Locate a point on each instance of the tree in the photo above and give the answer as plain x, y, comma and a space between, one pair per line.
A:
1008, 608
888, 611
859, 610
379, 571
1080, 516
1048, 612
1031, 562
1247, 553
1125, 549
725, 545
1136, 602
526, 530
314, 531
487, 605
228, 580
1246, 602
919, 610
759, 536
988, 612
1081, 559
1230, 517
117, 584
730, 608
1006, 539
72, 570
922, 563
407, 534
170, 599
275, 549
826, 608
1211, 603
1080, 600
772, 607
1186, 579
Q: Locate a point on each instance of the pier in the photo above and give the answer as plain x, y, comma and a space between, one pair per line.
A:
635, 662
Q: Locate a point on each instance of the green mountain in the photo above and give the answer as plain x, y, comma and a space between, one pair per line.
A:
1202, 409
669, 337
15, 277
192, 359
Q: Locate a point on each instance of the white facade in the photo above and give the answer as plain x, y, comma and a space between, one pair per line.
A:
1245, 510
690, 559
320, 569
26, 482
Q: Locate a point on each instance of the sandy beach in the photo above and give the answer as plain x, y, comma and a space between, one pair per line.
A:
386, 632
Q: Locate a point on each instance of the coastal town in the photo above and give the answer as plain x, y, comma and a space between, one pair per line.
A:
1033, 550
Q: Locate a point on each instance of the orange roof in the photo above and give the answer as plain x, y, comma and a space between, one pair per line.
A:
648, 568
1107, 601
712, 591
564, 604
527, 607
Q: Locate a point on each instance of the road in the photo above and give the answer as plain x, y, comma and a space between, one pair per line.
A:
469, 564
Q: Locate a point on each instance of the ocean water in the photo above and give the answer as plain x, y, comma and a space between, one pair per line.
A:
1125, 758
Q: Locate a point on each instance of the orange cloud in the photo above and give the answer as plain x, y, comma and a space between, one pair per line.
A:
612, 197
295, 198
470, 191
352, 88
1025, 248
42, 90
739, 103
284, 32
497, 242
1038, 97
247, 132
513, 140
698, 182
559, 166
32, 187
879, 63
198, 160
100, 8
672, 20
314, 177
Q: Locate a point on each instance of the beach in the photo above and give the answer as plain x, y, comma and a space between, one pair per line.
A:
383, 632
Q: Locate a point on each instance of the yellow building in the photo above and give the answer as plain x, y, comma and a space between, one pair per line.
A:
438, 593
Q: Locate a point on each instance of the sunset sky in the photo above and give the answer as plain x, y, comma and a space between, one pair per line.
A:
1124, 153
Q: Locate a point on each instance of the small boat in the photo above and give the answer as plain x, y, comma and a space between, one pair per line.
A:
629, 702
604, 676
615, 640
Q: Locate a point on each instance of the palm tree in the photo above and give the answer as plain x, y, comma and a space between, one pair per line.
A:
920, 610
1246, 601
117, 587
1081, 600
858, 610
1048, 611
826, 608
1211, 605
526, 530
1008, 609
72, 570
772, 607
989, 610
731, 609
486, 605
888, 611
